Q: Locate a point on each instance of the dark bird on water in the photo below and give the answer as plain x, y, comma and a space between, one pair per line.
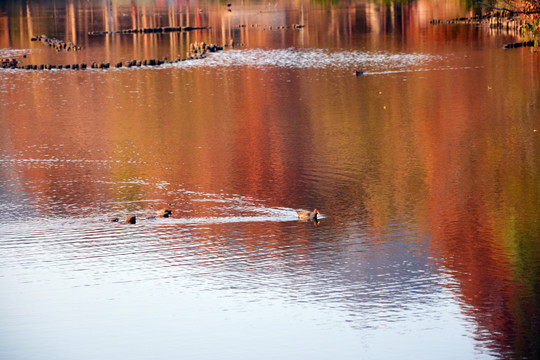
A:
164, 213
131, 219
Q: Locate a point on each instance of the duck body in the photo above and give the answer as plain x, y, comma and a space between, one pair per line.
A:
164, 213
131, 219
307, 215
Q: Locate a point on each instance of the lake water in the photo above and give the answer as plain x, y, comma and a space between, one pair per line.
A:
425, 171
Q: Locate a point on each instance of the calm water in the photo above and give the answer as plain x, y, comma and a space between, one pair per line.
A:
425, 171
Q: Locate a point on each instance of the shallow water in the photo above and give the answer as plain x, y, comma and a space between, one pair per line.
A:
424, 169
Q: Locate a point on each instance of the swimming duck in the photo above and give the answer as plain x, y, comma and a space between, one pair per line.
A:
131, 219
307, 214
164, 213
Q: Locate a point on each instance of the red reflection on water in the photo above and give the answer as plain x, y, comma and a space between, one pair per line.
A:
473, 212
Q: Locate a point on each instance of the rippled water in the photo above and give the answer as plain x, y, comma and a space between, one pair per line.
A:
311, 59
424, 169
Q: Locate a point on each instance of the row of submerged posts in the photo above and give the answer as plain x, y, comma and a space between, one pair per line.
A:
498, 20
155, 30
197, 50
11, 63
279, 27
56, 44
495, 20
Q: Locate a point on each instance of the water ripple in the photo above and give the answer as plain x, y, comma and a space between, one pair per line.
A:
311, 59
